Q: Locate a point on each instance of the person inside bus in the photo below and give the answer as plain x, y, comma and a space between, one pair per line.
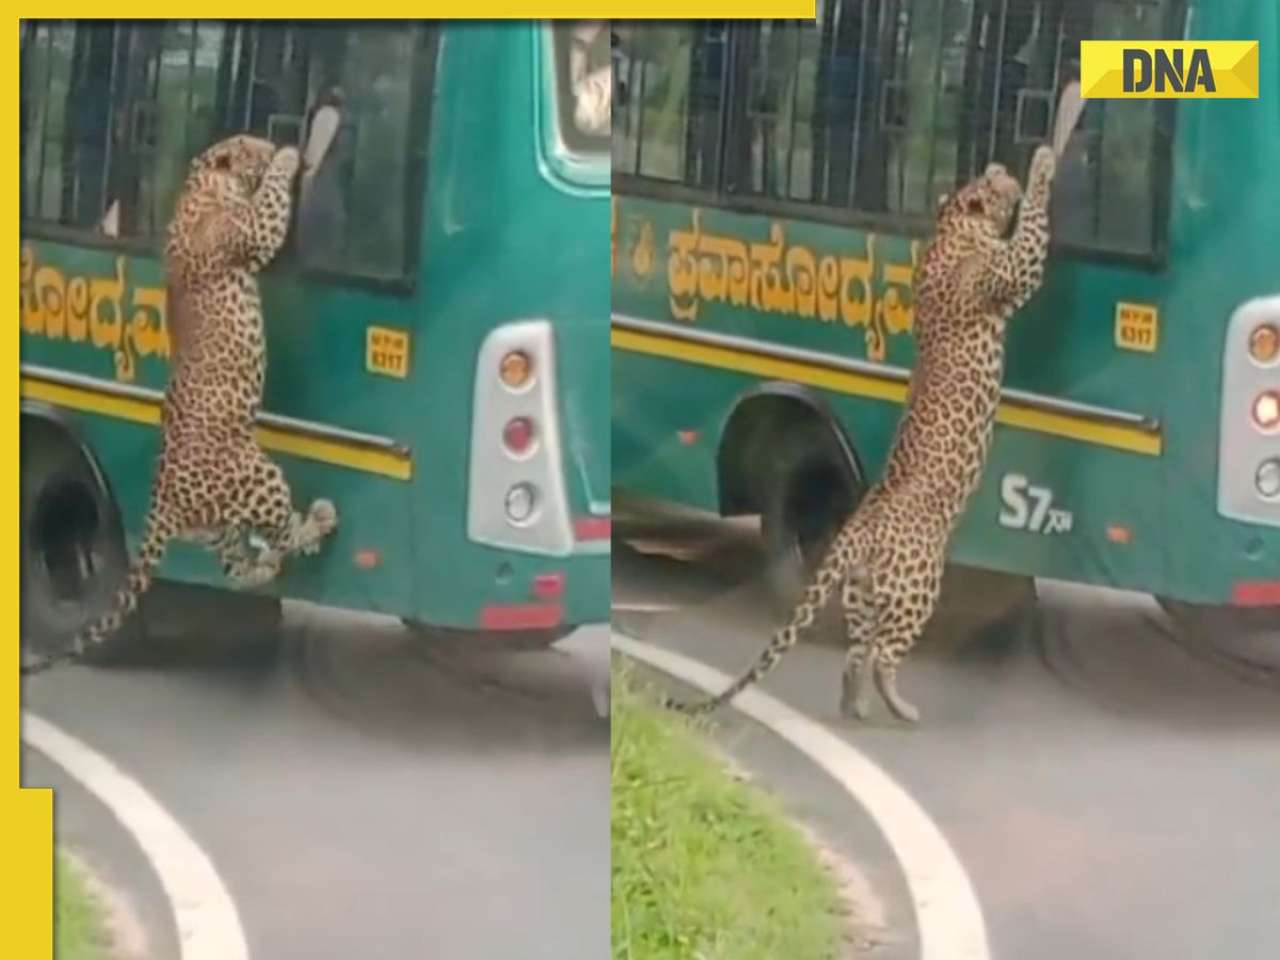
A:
1072, 191
590, 75
322, 213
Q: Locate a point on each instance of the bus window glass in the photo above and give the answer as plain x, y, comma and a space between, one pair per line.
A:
583, 85
859, 108
67, 76
877, 108
669, 81
1113, 172
111, 114
353, 203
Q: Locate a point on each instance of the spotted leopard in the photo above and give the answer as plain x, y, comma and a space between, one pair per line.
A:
214, 484
887, 559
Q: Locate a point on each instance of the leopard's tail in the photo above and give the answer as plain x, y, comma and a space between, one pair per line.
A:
154, 541
831, 574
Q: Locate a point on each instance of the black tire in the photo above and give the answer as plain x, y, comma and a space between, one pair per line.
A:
74, 558
72, 550
514, 641
811, 490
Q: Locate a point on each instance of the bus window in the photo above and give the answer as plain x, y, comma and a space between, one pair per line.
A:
354, 208
669, 87
67, 75
112, 113
876, 108
857, 109
1112, 185
583, 85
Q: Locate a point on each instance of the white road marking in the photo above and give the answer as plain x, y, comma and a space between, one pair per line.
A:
205, 915
948, 916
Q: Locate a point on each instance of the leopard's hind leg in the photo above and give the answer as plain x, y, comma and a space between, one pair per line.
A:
228, 542
269, 512
908, 594
887, 657
857, 601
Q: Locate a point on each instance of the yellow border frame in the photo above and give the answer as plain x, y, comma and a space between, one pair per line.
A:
26, 816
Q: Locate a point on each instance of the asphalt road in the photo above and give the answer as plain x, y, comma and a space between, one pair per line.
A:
361, 794
1112, 793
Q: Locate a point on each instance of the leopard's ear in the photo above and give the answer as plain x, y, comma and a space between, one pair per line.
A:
941, 202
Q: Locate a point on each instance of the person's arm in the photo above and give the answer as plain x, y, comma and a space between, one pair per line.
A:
324, 127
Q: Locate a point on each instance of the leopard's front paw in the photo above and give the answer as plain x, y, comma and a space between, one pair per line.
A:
1043, 165
287, 161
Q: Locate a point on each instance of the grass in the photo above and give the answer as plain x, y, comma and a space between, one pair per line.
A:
705, 867
80, 931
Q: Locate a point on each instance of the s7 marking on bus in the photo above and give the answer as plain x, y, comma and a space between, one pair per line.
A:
1026, 506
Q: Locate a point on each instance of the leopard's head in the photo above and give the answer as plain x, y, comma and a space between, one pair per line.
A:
239, 162
985, 205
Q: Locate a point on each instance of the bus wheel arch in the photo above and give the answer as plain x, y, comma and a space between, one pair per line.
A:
74, 557
72, 547
785, 456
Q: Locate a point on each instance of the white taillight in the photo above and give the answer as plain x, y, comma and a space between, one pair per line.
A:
1266, 409
521, 502
1267, 479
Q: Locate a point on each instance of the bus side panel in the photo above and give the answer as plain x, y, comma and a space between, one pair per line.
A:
1226, 250
859, 305
500, 245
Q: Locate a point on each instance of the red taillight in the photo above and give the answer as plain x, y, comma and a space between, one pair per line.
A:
1266, 409
1256, 593
592, 528
521, 616
517, 435
548, 586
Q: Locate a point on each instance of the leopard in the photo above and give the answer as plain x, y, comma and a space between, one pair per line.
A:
886, 559
213, 484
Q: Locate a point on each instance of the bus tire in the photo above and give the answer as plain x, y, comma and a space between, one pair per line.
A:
803, 503
1245, 640
71, 544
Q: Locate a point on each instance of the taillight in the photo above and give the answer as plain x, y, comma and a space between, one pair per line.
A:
518, 435
521, 503
1264, 343
1267, 479
1266, 409
516, 486
516, 369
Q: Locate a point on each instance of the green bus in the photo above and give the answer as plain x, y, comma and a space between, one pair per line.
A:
773, 187
435, 324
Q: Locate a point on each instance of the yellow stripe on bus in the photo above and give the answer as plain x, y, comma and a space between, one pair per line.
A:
341, 453
1073, 426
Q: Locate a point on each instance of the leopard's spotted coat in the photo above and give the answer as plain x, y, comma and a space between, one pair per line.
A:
887, 559
213, 483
